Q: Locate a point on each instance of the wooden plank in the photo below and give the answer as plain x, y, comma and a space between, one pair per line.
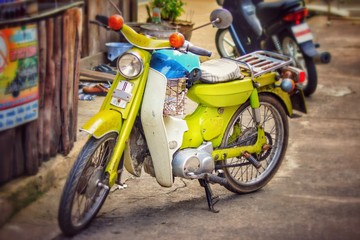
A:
19, 160
7, 141
78, 37
49, 87
65, 81
30, 148
98, 36
97, 75
94, 32
92, 61
42, 78
71, 71
93, 80
55, 115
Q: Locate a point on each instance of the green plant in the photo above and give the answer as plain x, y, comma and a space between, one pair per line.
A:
170, 9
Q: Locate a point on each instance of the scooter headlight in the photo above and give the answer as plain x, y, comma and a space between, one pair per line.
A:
130, 65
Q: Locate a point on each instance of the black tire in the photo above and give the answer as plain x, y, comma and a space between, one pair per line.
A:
82, 196
225, 44
291, 48
246, 178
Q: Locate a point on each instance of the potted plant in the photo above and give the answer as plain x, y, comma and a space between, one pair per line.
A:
170, 11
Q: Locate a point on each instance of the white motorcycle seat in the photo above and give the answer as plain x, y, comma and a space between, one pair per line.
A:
219, 70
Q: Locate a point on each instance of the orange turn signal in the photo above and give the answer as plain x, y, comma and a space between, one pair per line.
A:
176, 40
115, 22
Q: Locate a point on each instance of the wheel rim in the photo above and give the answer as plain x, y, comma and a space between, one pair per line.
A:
291, 48
227, 47
246, 173
89, 195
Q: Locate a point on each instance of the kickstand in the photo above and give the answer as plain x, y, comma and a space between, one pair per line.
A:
211, 199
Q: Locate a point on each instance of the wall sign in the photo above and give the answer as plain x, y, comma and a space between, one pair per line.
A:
18, 76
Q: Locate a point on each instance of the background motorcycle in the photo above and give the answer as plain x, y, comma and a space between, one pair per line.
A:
274, 26
237, 136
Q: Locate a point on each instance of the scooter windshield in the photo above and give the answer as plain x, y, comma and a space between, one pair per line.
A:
142, 41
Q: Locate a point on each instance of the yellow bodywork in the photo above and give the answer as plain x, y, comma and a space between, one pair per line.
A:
207, 123
222, 154
222, 94
143, 41
103, 122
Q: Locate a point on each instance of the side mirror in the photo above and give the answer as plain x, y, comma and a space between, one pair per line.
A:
221, 18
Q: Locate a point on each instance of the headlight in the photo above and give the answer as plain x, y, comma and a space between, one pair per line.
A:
130, 65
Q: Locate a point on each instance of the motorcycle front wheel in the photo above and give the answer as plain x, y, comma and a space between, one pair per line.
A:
225, 44
242, 176
86, 187
291, 48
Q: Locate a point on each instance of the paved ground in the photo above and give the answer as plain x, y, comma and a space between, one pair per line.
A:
315, 195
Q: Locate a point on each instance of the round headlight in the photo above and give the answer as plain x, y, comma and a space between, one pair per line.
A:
130, 65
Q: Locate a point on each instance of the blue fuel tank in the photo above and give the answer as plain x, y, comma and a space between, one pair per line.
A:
174, 64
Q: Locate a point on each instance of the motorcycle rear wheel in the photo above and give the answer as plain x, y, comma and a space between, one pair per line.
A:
291, 48
83, 194
225, 44
245, 178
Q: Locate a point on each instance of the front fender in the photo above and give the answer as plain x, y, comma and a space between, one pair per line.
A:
103, 122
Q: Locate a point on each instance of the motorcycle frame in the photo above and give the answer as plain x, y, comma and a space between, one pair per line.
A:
159, 130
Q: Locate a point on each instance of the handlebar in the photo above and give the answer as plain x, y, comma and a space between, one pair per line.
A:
196, 50
144, 42
199, 51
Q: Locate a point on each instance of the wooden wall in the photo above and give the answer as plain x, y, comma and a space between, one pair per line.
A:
24, 148
95, 37
64, 38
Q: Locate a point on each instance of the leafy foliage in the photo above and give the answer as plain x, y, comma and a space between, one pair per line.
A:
170, 9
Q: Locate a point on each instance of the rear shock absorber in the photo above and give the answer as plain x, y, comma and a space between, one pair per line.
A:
277, 44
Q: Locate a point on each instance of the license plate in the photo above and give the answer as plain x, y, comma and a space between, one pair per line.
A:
302, 33
122, 94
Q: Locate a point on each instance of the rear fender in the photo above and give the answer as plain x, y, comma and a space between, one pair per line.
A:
309, 49
103, 122
283, 97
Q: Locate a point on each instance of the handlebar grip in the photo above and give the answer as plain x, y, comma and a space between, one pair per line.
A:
199, 51
102, 19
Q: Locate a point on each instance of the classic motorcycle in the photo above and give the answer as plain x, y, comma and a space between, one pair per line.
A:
274, 26
237, 136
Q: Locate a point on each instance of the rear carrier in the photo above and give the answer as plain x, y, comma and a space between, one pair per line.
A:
261, 62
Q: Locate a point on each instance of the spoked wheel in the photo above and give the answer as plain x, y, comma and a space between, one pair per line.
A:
291, 48
242, 176
225, 44
87, 185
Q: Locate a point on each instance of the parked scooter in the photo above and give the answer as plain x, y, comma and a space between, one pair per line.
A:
274, 26
236, 137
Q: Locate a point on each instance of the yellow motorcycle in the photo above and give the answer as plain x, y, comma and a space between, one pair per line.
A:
237, 136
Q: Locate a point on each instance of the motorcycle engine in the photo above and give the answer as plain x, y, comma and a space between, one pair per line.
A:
193, 161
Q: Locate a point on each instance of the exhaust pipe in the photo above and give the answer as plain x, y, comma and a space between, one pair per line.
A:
323, 58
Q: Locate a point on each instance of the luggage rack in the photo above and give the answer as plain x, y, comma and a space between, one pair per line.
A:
261, 62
